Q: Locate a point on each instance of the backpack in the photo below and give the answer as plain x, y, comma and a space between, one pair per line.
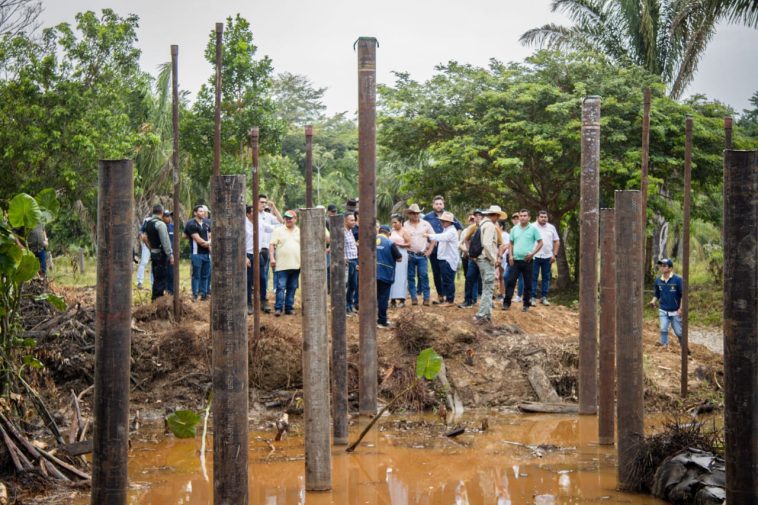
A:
475, 246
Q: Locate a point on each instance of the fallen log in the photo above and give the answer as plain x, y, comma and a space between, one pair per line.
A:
549, 408
542, 385
77, 448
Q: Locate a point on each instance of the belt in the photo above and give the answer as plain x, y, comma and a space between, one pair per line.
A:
416, 253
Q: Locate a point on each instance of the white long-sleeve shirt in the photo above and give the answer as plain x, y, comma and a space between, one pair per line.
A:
447, 248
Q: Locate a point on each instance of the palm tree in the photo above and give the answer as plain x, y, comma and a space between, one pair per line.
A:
666, 37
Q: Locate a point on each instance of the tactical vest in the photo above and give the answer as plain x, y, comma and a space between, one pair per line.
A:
153, 237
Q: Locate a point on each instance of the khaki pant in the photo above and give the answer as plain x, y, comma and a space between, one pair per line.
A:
487, 270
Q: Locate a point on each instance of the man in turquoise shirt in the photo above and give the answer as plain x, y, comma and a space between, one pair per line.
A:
526, 241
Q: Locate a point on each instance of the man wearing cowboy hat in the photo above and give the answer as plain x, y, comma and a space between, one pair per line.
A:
487, 260
418, 252
438, 208
447, 255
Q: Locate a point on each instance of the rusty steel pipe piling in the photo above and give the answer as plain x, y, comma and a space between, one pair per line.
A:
629, 371
316, 409
309, 166
367, 309
686, 252
113, 328
588, 244
177, 177
217, 94
229, 337
257, 287
607, 383
339, 330
727, 132
741, 325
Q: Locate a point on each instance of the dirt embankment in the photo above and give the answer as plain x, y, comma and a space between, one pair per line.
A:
486, 365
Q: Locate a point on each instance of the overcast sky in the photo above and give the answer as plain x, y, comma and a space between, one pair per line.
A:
315, 38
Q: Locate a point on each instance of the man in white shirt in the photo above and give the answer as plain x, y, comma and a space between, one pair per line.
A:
267, 221
447, 254
544, 259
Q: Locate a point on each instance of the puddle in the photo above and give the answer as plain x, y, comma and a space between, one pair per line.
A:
539, 459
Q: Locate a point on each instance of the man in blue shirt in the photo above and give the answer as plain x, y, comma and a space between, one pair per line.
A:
438, 204
668, 294
387, 254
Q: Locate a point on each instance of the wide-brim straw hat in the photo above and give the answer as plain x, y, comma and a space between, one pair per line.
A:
413, 209
495, 209
447, 216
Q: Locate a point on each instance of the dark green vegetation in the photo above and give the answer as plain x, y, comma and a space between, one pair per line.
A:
507, 133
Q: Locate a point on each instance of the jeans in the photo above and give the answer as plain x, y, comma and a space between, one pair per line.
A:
487, 270
447, 275
201, 274
473, 283
250, 272
422, 265
541, 269
143, 261
351, 297
287, 282
265, 261
676, 324
436, 272
160, 274
42, 257
519, 267
382, 300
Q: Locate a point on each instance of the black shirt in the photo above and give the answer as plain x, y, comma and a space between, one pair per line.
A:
202, 229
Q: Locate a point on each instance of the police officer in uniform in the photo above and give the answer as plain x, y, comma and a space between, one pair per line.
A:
161, 254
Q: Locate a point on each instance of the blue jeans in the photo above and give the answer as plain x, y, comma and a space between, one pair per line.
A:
447, 275
264, 261
473, 283
541, 269
201, 274
351, 298
436, 273
250, 272
382, 300
422, 265
287, 282
676, 324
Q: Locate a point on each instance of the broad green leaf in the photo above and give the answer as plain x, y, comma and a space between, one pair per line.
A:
56, 301
428, 364
32, 362
24, 211
182, 423
27, 268
48, 200
10, 256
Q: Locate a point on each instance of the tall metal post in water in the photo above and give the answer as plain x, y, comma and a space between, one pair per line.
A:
177, 177
686, 251
229, 337
629, 372
367, 233
309, 166
318, 456
741, 325
254, 136
113, 329
217, 92
588, 241
607, 383
727, 132
339, 329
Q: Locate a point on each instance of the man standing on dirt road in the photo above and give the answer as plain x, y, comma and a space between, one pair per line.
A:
526, 241
351, 260
544, 259
285, 259
447, 254
418, 252
198, 230
668, 294
487, 259
161, 253
433, 218
267, 222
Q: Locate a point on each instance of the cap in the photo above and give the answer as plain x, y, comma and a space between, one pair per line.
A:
331, 207
290, 214
167, 213
384, 228
666, 261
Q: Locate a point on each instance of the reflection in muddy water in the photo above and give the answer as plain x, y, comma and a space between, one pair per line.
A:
537, 459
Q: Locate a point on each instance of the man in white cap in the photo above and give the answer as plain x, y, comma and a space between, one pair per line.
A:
447, 255
485, 249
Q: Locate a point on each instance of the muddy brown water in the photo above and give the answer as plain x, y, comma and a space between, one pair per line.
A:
536, 459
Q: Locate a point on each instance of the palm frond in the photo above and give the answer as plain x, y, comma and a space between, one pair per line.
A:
693, 51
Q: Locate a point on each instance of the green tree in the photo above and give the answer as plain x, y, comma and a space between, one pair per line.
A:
666, 37
298, 102
510, 134
246, 101
748, 121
